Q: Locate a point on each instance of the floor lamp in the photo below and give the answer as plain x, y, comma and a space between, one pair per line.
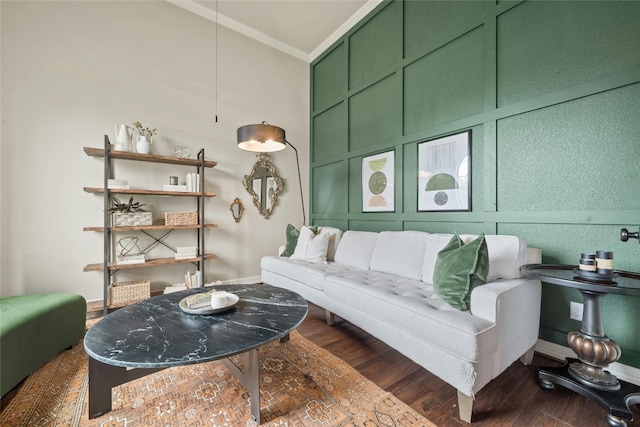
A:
266, 138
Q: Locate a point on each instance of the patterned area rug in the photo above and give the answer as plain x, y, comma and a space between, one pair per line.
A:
301, 385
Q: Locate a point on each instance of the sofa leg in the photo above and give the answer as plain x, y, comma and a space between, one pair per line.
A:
330, 317
527, 358
465, 405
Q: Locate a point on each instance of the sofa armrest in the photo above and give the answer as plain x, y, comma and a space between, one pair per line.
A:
488, 299
514, 306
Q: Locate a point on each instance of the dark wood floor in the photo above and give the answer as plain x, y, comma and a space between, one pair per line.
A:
512, 399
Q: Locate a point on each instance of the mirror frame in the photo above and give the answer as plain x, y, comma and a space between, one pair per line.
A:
264, 161
237, 202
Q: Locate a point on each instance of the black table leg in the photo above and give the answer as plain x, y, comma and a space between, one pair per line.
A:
102, 378
617, 402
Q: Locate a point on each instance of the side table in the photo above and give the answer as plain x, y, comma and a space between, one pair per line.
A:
586, 375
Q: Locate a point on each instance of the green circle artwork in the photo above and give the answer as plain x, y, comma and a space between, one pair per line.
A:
441, 181
377, 182
377, 164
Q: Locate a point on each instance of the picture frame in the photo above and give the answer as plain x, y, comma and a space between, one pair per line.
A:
444, 173
378, 182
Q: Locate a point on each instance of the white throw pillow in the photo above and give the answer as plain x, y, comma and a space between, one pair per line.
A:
311, 247
334, 239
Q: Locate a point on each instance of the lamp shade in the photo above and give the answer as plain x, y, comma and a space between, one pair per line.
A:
262, 138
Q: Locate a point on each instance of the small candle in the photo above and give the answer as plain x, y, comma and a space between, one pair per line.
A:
218, 299
588, 262
604, 262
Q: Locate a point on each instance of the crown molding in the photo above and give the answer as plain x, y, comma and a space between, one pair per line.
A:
369, 6
243, 29
238, 27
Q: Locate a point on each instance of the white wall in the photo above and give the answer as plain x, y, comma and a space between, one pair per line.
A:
71, 70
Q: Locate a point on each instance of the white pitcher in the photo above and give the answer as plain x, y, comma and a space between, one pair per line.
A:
142, 145
123, 138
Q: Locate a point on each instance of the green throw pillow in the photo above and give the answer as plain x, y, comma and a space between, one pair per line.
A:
292, 239
460, 268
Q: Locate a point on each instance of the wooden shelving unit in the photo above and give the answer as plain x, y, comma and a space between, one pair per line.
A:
127, 155
98, 190
108, 267
148, 263
150, 227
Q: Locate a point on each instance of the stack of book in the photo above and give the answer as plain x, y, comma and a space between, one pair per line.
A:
193, 182
184, 252
169, 187
193, 280
200, 300
174, 288
117, 184
130, 259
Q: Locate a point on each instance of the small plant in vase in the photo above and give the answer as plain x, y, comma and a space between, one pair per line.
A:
129, 214
144, 141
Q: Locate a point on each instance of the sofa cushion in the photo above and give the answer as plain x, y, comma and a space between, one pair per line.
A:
292, 235
313, 275
311, 247
400, 253
355, 248
414, 308
460, 268
506, 255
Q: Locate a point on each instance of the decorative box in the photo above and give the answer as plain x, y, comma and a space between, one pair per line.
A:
180, 218
129, 219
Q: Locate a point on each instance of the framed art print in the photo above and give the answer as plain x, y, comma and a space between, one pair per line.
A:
378, 182
444, 173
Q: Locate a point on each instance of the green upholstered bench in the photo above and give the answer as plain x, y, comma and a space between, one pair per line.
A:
33, 329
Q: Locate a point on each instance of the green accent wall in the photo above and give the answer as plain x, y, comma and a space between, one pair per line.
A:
551, 94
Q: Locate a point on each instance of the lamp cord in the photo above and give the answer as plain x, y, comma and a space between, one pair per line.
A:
304, 216
216, 66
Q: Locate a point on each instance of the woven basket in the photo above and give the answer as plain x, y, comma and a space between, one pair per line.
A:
125, 293
129, 219
180, 218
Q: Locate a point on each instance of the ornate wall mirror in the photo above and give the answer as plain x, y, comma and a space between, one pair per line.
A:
264, 184
237, 209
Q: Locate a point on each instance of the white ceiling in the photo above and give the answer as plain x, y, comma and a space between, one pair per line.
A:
301, 28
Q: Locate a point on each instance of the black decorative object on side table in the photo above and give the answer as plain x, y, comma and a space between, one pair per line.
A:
595, 350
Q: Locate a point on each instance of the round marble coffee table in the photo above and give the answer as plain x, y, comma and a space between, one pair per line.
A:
155, 334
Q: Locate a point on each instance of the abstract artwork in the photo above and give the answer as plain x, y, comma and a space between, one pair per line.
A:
377, 182
444, 173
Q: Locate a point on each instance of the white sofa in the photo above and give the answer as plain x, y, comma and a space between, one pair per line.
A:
381, 282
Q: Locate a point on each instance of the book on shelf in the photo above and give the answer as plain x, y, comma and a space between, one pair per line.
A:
184, 252
116, 184
186, 249
193, 280
174, 288
193, 182
179, 188
130, 259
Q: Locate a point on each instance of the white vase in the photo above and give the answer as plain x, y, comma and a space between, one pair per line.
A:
123, 138
142, 145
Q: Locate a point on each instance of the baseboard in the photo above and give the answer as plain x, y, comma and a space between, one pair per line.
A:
624, 372
239, 281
